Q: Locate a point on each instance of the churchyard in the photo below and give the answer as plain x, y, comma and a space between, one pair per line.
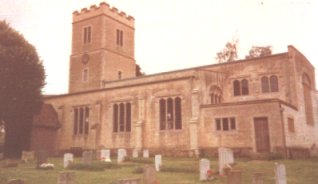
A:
155, 169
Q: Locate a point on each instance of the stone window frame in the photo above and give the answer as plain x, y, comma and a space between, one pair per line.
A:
170, 116
119, 37
231, 124
87, 34
240, 87
81, 115
122, 117
269, 83
215, 94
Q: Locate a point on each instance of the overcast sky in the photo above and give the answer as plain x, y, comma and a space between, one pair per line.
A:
170, 34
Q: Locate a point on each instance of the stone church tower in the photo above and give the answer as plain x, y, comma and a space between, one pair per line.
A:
102, 48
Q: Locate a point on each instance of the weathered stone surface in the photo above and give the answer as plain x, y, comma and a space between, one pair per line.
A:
105, 154
280, 174
149, 175
204, 167
87, 157
145, 153
66, 178
68, 159
158, 162
226, 157
121, 154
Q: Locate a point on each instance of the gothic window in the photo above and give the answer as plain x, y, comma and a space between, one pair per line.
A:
215, 95
170, 113
119, 37
122, 117
237, 88
265, 84
307, 99
244, 87
81, 121
274, 83
87, 37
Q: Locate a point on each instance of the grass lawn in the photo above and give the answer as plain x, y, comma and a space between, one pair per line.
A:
181, 171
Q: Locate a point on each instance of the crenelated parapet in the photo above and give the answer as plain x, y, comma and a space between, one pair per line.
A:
103, 9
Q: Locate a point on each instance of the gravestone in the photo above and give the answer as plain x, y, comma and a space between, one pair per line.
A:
66, 178
105, 154
27, 156
158, 162
226, 157
204, 167
87, 157
145, 153
135, 153
68, 159
41, 157
234, 177
280, 174
258, 178
149, 175
16, 181
129, 181
121, 154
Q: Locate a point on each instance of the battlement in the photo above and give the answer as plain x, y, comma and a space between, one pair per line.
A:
103, 9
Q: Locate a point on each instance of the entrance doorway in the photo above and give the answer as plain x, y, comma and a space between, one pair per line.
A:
261, 134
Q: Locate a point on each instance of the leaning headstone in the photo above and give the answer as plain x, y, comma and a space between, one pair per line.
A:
145, 153
105, 154
41, 158
121, 154
16, 181
135, 153
280, 174
129, 181
87, 157
234, 177
158, 162
66, 178
149, 175
27, 156
226, 157
258, 178
204, 167
68, 159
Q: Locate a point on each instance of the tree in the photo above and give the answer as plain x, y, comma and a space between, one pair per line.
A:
139, 71
229, 53
21, 81
259, 51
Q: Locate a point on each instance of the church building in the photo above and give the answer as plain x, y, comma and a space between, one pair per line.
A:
256, 105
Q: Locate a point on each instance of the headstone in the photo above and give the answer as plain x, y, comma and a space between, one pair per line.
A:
226, 157
27, 156
204, 167
66, 178
145, 153
135, 153
129, 181
16, 181
258, 178
11, 163
68, 159
105, 154
121, 154
280, 174
149, 175
87, 157
234, 177
41, 157
158, 162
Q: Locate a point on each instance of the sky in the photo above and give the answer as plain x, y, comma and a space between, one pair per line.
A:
169, 34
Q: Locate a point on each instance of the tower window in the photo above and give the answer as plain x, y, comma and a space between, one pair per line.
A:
119, 37
85, 75
87, 35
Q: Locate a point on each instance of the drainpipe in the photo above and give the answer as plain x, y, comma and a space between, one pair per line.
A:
281, 109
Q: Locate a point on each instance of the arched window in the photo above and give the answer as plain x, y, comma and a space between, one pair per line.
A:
162, 109
274, 83
237, 88
128, 117
122, 117
170, 113
215, 95
265, 84
178, 111
81, 120
86, 123
307, 99
244, 87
